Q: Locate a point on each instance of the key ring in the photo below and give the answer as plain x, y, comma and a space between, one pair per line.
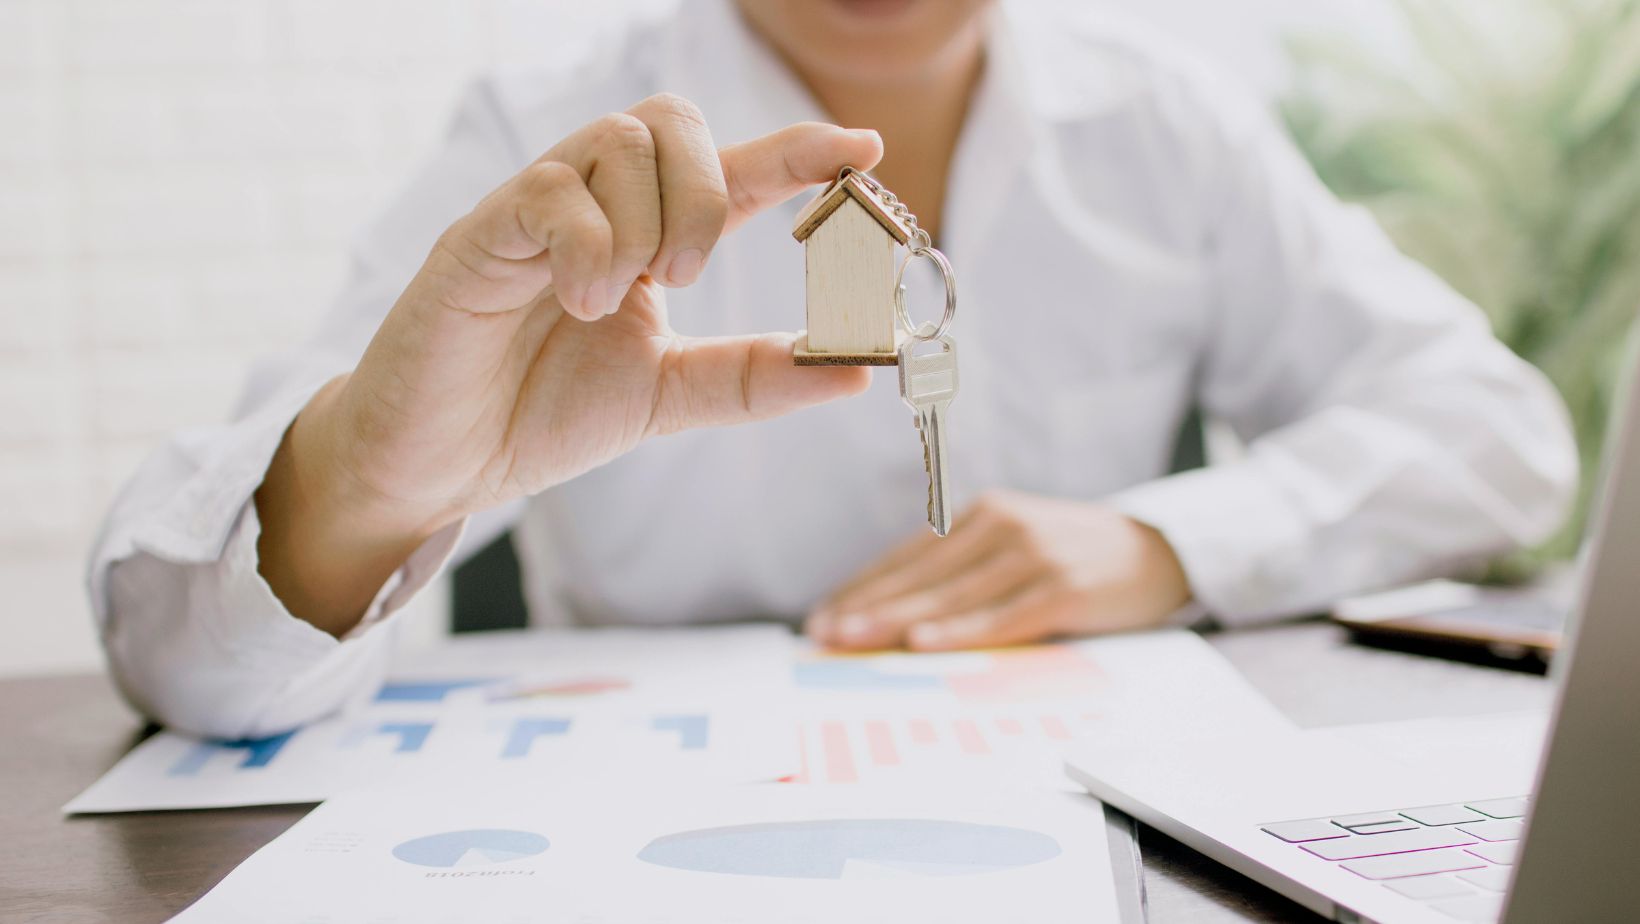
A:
916, 332
920, 245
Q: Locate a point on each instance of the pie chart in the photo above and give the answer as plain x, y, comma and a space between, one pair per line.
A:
874, 848
479, 847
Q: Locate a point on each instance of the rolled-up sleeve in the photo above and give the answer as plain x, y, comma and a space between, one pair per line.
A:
202, 641
194, 636
1389, 435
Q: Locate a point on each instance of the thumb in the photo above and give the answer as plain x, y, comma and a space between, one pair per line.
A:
714, 381
767, 171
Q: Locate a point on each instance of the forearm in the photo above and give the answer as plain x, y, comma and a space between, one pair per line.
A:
1366, 494
327, 544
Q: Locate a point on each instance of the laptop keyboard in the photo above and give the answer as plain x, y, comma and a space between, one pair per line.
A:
1455, 858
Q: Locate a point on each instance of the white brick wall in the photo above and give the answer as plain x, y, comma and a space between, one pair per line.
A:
177, 182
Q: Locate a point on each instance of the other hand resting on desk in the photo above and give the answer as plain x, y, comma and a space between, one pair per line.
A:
1015, 568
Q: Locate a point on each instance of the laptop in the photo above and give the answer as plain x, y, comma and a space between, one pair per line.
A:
1525, 819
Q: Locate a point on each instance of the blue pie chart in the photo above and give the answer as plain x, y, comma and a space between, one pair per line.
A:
875, 848
478, 847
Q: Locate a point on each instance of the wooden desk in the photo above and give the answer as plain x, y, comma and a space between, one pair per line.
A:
58, 734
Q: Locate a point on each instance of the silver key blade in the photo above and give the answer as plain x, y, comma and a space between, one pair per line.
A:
931, 424
928, 383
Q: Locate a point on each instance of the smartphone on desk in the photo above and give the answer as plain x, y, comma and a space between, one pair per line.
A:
1515, 626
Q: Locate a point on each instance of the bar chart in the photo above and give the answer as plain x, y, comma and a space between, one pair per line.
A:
854, 750
976, 678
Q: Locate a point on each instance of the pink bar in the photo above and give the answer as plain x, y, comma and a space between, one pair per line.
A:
839, 754
802, 774
1054, 727
969, 738
1009, 726
922, 731
881, 742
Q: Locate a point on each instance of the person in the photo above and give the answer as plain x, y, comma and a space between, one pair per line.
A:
1132, 239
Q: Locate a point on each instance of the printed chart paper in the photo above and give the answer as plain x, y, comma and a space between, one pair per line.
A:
706, 855
592, 669
1006, 715
696, 703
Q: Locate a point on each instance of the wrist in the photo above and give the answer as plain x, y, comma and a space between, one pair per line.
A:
328, 542
1161, 569
330, 456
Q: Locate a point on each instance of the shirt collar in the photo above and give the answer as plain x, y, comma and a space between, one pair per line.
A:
998, 136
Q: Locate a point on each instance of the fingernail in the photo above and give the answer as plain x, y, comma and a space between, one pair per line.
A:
686, 266
854, 625
926, 635
617, 295
596, 300
863, 132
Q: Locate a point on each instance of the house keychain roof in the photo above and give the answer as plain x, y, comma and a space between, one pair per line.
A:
853, 185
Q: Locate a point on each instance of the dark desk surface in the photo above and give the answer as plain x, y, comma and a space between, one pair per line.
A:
58, 734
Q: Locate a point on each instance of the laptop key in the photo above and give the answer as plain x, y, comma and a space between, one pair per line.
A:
1471, 908
1385, 828
1502, 852
1373, 823
1443, 815
1425, 888
1492, 878
1501, 808
1297, 832
1419, 863
1494, 830
1397, 842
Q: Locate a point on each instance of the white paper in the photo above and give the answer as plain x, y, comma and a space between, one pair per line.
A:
699, 703
768, 853
727, 704
1007, 715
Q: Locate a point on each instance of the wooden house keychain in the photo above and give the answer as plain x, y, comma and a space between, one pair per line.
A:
857, 314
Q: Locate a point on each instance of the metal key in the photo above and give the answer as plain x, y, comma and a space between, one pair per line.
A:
928, 383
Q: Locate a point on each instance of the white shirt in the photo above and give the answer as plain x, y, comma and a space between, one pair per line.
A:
1130, 238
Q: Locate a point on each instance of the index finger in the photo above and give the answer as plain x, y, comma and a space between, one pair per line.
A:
694, 202
767, 171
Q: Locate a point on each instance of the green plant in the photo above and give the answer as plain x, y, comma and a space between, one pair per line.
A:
1503, 153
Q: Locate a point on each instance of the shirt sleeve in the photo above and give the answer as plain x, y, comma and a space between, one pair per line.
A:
194, 636
1389, 436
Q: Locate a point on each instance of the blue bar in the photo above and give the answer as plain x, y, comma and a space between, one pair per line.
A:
844, 674
430, 691
412, 735
691, 729
259, 752
525, 731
